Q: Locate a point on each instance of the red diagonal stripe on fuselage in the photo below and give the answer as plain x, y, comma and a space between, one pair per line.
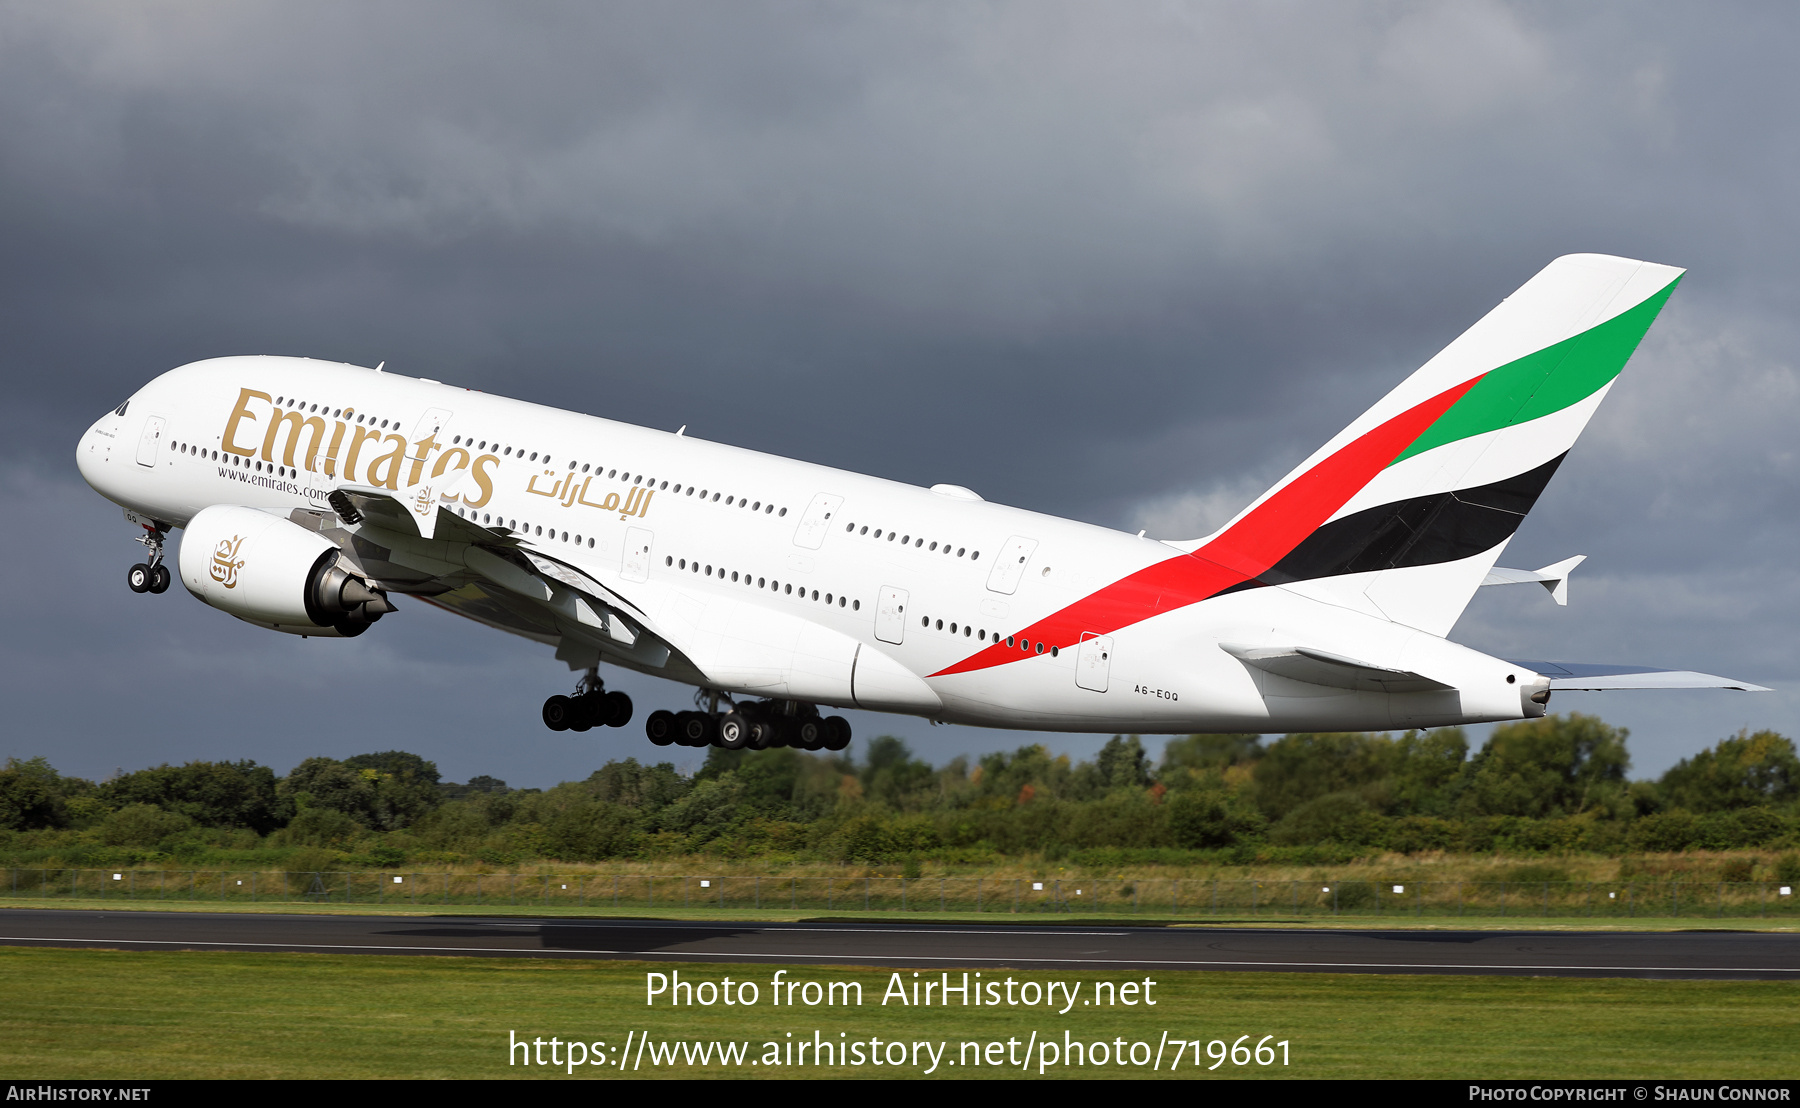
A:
1247, 549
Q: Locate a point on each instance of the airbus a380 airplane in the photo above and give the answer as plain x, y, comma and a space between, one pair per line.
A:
311, 493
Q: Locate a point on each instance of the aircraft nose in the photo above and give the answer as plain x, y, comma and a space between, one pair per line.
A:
93, 454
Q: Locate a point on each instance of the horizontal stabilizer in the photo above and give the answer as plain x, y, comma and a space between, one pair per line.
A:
1319, 667
1554, 578
1596, 677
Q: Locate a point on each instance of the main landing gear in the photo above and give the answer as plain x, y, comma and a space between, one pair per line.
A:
591, 706
153, 575
752, 726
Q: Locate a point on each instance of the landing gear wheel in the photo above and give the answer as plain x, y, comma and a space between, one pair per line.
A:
660, 727
581, 713
159, 578
558, 711
139, 578
762, 735
811, 733
837, 733
734, 731
696, 728
595, 708
620, 705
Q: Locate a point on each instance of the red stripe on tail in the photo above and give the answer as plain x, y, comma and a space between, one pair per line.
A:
1248, 548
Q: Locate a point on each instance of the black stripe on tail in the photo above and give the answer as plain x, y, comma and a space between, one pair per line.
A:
1422, 531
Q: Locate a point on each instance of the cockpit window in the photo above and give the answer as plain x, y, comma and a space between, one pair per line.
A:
120, 410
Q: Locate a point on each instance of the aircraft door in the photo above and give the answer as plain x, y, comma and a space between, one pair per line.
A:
430, 425
152, 440
817, 521
636, 564
1093, 664
1009, 567
890, 615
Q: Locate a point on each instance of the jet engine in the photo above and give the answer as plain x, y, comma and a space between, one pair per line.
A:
269, 571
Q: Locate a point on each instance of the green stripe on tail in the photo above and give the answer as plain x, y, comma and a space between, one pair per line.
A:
1545, 381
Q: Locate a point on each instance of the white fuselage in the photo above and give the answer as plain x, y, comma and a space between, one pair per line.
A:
676, 523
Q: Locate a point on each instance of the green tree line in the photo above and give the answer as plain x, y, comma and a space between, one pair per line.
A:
1558, 784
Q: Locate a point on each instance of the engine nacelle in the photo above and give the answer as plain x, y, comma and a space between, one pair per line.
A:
269, 571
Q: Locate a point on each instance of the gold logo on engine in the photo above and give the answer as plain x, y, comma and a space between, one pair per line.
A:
224, 568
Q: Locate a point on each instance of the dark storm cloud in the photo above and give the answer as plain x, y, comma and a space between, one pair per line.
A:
1126, 263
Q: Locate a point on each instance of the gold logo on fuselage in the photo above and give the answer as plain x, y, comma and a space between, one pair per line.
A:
333, 445
225, 563
572, 490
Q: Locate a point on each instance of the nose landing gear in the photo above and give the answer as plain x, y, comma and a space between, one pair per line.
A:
153, 575
591, 706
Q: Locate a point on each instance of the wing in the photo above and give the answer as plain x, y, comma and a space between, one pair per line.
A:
494, 577
503, 580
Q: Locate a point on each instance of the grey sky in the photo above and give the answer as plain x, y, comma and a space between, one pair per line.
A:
1126, 263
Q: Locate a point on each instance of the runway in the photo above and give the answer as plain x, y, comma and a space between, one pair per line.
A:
1683, 954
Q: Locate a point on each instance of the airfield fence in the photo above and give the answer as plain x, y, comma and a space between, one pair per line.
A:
1179, 898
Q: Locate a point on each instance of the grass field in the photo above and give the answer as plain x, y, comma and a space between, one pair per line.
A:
94, 1014
1384, 921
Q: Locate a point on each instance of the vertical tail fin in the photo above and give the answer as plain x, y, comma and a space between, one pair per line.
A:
1405, 511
